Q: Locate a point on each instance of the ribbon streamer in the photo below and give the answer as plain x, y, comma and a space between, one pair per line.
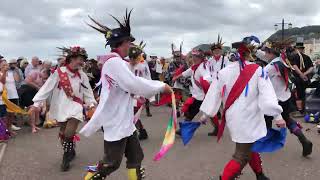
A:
11, 107
170, 133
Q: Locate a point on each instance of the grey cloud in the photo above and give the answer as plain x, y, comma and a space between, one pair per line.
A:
36, 27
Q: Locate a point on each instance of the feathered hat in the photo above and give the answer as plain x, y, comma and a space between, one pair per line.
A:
176, 53
117, 35
136, 50
218, 44
281, 48
277, 47
74, 51
247, 47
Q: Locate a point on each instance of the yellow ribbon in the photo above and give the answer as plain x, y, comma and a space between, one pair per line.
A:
11, 107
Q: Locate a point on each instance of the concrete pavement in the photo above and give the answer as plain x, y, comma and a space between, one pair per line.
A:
38, 156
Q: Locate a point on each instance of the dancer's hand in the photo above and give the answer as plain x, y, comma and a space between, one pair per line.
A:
203, 119
176, 78
281, 123
167, 89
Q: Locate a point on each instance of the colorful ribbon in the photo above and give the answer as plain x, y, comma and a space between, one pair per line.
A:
170, 133
11, 107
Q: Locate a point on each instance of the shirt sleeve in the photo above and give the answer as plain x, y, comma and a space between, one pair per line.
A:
88, 96
269, 70
187, 73
27, 70
127, 81
46, 90
308, 62
211, 103
267, 99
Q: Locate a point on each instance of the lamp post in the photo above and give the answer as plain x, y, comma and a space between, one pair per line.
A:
282, 28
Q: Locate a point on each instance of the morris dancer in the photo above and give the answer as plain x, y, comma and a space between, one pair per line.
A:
247, 94
279, 70
215, 64
68, 89
115, 110
138, 67
200, 79
177, 66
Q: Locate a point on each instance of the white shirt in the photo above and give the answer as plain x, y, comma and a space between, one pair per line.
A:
11, 86
283, 93
29, 69
140, 70
115, 109
158, 66
201, 72
215, 66
61, 107
245, 117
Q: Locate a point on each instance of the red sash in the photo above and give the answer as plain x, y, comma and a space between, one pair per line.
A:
202, 84
236, 90
65, 84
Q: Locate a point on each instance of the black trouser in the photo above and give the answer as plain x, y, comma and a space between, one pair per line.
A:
129, 146
193, 110
147, 104
301, 87
287, 109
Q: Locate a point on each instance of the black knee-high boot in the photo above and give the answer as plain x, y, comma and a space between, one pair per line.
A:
142, 132
306, 144
148, 108
68, 153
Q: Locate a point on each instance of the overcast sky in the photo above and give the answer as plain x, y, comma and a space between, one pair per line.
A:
36, 27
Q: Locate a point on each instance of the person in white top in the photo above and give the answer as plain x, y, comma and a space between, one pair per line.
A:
218, 61
247, 95
177, 66
115, 111
34, 66
140, 69
279, 71
200, 80
4, 131
148, 76
67, 90
10, 77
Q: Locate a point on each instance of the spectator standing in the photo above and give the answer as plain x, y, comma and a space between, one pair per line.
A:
152, 67
23, 64
60, 62
164, 66
9, 83
47, 64
13, 66
4, 132
35, 62
303, 69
